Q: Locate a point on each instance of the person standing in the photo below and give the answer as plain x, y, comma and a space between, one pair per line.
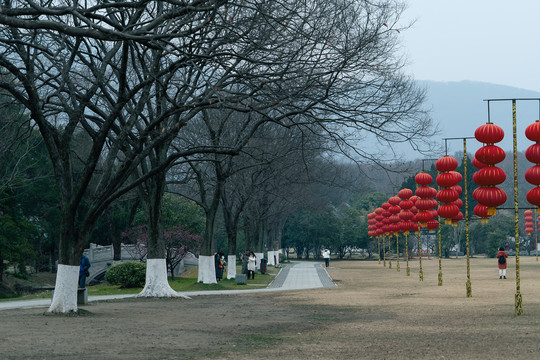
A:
245, 258
326, 257
501, 260
219, 266
251, 265
83, 271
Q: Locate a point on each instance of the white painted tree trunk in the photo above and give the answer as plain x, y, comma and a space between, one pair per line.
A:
278, 253
207, 270
65, 291
157, 284
231, 266
259, 256
271, 257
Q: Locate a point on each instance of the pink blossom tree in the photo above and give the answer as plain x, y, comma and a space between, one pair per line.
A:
178, 242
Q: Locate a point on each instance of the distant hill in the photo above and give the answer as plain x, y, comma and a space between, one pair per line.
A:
459, 108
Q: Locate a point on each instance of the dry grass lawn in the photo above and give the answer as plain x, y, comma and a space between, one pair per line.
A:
373, 313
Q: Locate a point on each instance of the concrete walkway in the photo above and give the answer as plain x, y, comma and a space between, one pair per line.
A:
295, 276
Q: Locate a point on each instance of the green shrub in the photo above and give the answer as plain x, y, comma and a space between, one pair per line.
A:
128, 274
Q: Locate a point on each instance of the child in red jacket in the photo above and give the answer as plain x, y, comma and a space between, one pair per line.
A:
501, 260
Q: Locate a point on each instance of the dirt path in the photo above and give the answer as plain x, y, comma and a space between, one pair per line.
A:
374, 313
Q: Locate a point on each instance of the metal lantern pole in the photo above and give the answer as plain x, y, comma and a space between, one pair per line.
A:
519, 300
407, 255
379, 248
384, 250
389, 251
468, 286
397, 251
536, 231
518, 297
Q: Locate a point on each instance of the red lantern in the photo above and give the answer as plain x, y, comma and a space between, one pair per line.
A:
405, 193
532, 132
423, 178
482, 212
528, 213
447, 195
446, 164
446, 180
458, 203
489, 133
457, 218
432, 225
490, 175
533, 196
533, 153
457, 188
490, 197
458, 176
490, 154
532, 175
448, 211
477, 164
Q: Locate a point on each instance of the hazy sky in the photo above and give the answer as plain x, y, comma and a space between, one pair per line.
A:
495, 41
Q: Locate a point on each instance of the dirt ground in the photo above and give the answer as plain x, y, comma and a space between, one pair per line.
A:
373, 313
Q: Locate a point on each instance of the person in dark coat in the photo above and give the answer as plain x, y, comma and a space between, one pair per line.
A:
501, 260
245, 258
219, 266
83, 271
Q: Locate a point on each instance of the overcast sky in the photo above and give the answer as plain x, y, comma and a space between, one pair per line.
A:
494, 41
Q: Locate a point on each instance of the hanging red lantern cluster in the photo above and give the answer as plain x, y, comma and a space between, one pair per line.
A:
488, 194
532, 175
394, 209
406, 215
529, 225
386, 228
426, 204
480, 210
458, 202
378, 224
372, 227
447, 195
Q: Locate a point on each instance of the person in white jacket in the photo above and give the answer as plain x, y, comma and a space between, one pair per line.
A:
251, 265
326, 257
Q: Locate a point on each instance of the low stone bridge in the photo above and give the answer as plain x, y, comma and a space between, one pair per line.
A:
101, 259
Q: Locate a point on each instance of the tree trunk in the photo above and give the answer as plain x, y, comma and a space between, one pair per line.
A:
157, 284
115, 239
65, 291
1, 266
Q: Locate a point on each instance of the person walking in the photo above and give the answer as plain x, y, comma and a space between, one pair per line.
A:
501, 260
326, 257
83, 271
251, 265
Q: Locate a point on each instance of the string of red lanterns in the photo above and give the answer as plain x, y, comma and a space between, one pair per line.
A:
447, 195
529, 225
532, 175
488, 176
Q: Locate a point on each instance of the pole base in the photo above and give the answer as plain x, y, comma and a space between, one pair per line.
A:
440, 279
519, 304
469, 289
421, 275
408, 271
